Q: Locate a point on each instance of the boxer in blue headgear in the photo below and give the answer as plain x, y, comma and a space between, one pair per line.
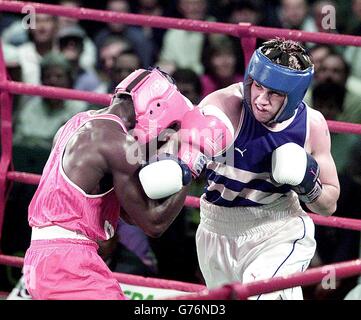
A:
280, 76
252, 224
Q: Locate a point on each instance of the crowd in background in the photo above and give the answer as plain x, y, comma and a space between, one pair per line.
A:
95, 57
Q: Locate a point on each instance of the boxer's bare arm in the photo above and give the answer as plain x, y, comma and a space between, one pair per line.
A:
153, 216
320, 148
229, 100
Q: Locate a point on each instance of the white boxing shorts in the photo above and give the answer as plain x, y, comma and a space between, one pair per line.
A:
246, 244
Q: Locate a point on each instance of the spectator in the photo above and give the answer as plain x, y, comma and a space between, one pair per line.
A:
124, 65
88, 55
111, 48
189, 84
294, 14
143, 46
12, 30
6, 20
42, 41
39, 120
222, 66
335, 70
175, 52
319, 53
352, 54
71, 44
328, 98
154, 35
247, 11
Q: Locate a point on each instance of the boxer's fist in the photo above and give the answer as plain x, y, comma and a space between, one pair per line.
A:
204, 133
163, 176
292, 165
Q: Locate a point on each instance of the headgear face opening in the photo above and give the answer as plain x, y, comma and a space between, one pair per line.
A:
157, 102
293, 83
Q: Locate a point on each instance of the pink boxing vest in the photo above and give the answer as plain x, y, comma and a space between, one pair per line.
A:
58, 201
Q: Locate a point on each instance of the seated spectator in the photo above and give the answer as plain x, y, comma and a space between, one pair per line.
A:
189, 84
124, 65
328, 98
352, 54
71, 45
110, 49
143, 46
247, 11
154, 35
294, 14
222, 67
39, 120
318, 53
12, 30
335, 69
42, 41
181, 48
331, 96
88, 55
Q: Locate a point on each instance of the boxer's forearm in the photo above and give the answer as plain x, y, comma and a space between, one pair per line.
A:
325, 204
165, 211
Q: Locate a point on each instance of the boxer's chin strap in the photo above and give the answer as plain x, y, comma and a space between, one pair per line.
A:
279, 112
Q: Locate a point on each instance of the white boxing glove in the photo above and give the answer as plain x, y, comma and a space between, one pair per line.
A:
164, 177
292, 165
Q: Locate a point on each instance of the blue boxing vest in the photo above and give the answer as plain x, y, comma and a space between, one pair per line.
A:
246, 182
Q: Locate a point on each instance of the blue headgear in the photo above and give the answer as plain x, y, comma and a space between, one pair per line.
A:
293, 83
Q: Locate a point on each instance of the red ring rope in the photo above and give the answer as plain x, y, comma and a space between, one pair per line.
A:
125, 278
311, 276
240, 30
233, 290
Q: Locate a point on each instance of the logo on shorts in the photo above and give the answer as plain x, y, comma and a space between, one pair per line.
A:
108, 229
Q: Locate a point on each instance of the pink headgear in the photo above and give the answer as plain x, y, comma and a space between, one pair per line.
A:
157, 102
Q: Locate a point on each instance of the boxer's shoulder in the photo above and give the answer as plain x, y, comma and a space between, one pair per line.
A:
317, 124
228, 100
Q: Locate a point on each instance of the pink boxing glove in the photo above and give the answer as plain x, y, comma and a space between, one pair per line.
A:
204, 133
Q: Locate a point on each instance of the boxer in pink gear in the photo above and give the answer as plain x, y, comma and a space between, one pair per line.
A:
89, 180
